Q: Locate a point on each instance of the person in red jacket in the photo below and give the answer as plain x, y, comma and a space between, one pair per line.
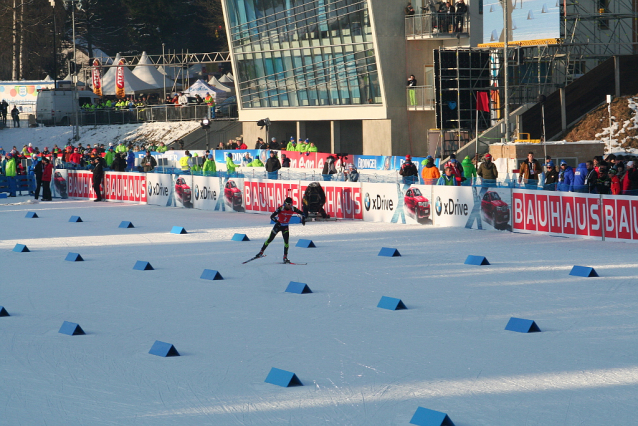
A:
47, 174
76, 157
615, 182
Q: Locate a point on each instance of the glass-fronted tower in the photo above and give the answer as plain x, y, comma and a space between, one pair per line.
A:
296, 53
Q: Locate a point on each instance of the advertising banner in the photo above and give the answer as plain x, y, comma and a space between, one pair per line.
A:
218, 194
24, 94
160, 189
119, 80
239, 156
531, 20
621, 218
417, 200
472, 207
560, 213
495, 205
96, 75
383, 202
183, 189
302, 160
80, 184
373, 162
343, 199
453, 205
262, 196
59, 184
126, 187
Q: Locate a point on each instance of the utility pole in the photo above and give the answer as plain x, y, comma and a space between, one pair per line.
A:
506, 40
74, 76
55, 54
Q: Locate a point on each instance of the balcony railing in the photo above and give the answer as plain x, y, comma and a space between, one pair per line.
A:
420, 98
437, 25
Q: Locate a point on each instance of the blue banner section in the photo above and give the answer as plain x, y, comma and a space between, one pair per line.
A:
239, 156
380, 162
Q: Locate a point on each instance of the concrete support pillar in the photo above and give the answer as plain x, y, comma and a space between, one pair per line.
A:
563, 110
301, 130
335, 136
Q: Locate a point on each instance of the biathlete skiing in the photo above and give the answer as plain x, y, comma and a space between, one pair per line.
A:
281, 217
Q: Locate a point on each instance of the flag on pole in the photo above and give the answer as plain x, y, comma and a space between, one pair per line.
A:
482, 102
119, 80
97, 78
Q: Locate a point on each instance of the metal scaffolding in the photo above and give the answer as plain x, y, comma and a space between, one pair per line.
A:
591, 32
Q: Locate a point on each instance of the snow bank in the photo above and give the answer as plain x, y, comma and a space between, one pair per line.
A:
48, 136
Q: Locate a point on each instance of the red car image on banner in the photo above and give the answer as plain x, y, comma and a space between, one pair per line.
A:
129, 187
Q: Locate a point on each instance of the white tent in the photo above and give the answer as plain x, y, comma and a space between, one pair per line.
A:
225, 80
201, 88
69, 77
47, 78
214, 82
176, 73
146, 72
132, 84
230, 76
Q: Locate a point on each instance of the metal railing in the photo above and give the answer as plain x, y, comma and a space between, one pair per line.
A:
154, 113
437, 25
420, 98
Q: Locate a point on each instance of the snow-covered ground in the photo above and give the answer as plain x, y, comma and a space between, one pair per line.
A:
359, 364
48, 136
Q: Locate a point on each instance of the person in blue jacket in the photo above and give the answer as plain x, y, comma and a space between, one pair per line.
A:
130, 161
580, 177
565, 178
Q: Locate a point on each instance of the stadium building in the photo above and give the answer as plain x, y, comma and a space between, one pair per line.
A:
335, 70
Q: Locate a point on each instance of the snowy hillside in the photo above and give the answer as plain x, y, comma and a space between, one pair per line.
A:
359, 364
48, 136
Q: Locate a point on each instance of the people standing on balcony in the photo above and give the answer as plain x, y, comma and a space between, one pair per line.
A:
449, 19
461, 10
412, 89
409, 10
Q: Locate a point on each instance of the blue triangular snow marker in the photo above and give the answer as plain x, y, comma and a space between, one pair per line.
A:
389, 252
476, 260
240, 237
142, 266
126, 224
583, 271
31, 215
178, 230
282, 378
521, 325
426, 417
391, 303
298, 288
163, 349
305, 244
71, 328
75, 219
3, 312
74, 257
211, 274
21, 248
